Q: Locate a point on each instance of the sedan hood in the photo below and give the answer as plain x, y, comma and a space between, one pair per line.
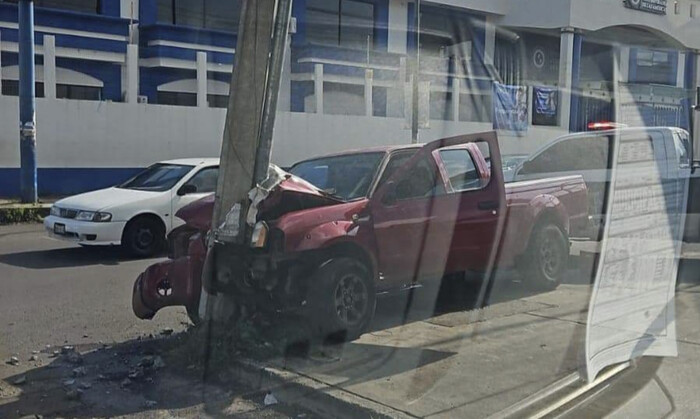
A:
104, 199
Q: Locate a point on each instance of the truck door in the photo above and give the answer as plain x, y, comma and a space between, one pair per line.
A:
430, 219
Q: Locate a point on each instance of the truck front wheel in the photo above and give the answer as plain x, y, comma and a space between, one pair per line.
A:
545, 260
344, 299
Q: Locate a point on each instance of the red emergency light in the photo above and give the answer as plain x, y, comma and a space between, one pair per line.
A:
604, 125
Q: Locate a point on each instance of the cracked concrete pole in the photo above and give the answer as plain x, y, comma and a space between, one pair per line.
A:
247, 142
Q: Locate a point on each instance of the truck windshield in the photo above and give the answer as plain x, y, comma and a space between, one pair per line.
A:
346, 177
157, 178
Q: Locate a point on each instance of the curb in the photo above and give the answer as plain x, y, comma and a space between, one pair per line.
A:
318, 397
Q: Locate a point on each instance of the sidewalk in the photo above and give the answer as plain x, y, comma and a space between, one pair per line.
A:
512, 359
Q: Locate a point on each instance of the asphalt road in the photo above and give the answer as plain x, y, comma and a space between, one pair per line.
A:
54, 296
442, 352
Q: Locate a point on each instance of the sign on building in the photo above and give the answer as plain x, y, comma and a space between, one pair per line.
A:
631, 312
510, 108
651, 6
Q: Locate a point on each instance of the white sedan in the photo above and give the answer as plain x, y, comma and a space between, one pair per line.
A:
139, 213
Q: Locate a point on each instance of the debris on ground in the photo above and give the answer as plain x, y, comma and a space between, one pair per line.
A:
74, 394
85, 385
125, 383
270, 399
13, 361
20, 380
167, 331
33, 358
150, 404
79, 372
69, 382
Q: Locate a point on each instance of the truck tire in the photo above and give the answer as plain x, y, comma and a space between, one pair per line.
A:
545, 260
344, 300
143, 237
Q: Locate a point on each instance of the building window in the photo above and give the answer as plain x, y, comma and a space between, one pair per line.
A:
11, 88
217, 101
654, 67
69, 91
347, 23
63, 91
221, 15
177, 98
85, 6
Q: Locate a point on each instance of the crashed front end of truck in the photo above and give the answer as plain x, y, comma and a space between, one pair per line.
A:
292, 228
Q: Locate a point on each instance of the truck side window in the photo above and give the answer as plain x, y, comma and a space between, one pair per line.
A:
205, 180
460, 169
586, 153
396, 161
420, 182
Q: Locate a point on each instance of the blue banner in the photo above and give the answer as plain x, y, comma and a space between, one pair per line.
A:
545, 106
510, 108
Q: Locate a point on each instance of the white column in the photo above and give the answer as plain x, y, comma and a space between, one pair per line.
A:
132, 73
456, 91
566, 65
398, 26
369, 80
490, 35
318, 87
697, 69
129, 9
624, 64
0, 66
49, 67
202, 79
680, 71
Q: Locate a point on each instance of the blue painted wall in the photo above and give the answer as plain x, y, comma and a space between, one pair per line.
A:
61, 182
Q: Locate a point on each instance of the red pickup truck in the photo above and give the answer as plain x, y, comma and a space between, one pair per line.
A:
338, 230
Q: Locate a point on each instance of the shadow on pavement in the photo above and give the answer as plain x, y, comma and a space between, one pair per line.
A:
66, 257
137, 378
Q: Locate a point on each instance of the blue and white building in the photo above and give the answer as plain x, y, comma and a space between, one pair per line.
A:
124, 83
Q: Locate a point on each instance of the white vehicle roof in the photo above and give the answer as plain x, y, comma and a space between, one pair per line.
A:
203, 161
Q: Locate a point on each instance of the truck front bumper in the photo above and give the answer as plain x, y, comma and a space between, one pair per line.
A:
166, 284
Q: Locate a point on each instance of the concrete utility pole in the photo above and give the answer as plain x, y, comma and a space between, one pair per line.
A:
27, 105
247, 144
416, 78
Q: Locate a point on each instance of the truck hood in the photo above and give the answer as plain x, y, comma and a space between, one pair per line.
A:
280, 194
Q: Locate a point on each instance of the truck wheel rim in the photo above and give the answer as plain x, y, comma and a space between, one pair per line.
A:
351, 299
550, 256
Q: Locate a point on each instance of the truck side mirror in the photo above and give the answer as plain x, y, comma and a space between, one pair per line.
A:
187, 189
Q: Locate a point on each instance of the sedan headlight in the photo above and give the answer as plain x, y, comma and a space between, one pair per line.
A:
55, 211
259, 237
98, 217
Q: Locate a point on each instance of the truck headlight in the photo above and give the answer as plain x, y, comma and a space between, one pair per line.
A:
98, 217
259, 236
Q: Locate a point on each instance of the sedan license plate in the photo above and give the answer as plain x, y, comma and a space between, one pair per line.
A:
59, 229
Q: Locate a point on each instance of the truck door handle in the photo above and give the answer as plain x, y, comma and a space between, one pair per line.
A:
488, 205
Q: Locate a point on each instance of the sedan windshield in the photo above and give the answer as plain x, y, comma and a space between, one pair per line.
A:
157, 178
346, 177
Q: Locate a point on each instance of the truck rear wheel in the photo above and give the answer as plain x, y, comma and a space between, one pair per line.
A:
545, 260
345, 299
